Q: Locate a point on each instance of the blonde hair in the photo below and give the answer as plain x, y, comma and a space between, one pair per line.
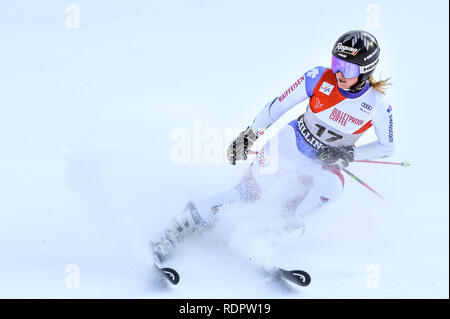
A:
381, 85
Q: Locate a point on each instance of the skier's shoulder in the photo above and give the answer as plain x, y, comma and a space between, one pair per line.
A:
312, 78
381, 107
315, 73
381, 100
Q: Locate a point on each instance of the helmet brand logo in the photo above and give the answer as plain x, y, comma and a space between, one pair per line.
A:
346, 49
369, 67
371, 55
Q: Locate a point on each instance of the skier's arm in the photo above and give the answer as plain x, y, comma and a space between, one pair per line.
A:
295, 94
383, 125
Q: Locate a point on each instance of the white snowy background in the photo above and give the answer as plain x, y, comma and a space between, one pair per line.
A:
94, 93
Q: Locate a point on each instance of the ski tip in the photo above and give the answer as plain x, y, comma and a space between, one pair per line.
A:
405, 164
171, 275
299, 277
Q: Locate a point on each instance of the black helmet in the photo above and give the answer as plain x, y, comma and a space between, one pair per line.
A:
361, 48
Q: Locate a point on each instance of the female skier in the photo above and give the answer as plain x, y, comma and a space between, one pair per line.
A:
344, 102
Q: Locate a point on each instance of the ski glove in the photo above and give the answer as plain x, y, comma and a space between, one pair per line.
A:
341, 156
240, 146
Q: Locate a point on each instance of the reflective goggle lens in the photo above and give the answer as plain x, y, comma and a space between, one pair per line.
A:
349, 70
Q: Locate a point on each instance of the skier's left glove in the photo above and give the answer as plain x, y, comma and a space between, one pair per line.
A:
240, 146
341, 156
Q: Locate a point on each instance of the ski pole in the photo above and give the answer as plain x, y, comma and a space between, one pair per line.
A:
358, 179
404, 164
361, 182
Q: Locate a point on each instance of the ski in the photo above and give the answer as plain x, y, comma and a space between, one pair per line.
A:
170, 274
298, 277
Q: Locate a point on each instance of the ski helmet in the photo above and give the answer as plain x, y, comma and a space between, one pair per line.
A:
356, 53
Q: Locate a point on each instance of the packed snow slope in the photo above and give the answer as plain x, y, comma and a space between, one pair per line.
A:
93, 120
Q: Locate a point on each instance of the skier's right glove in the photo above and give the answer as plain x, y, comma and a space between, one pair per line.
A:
240, 146
340, 156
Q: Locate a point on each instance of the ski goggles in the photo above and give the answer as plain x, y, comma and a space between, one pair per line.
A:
348, 70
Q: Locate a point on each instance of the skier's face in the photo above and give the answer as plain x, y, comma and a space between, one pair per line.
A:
345, 83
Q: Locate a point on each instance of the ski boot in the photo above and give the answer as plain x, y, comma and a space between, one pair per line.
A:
188, 223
